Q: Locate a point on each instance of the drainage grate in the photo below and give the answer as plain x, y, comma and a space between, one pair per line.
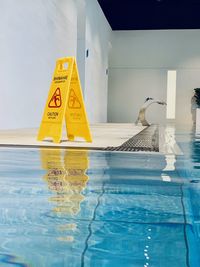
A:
146, 140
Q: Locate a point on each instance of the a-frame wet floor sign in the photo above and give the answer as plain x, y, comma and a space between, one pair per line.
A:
65, 102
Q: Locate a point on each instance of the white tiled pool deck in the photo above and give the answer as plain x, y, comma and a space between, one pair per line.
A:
104, 135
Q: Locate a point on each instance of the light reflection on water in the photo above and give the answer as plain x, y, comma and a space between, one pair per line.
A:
78, 208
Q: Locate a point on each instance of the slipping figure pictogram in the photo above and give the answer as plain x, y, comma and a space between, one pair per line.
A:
56, 100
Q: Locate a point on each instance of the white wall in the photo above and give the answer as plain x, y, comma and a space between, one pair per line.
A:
81, 31
128, 88
138, 67
98, 34
94, 34
33, 34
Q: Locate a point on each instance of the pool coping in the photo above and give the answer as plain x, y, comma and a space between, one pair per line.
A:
104, 135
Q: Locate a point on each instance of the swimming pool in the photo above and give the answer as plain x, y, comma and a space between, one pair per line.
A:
79, 208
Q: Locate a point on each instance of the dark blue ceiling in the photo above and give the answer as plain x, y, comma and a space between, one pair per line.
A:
152, 14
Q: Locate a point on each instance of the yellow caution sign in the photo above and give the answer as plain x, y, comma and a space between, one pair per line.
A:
65, 102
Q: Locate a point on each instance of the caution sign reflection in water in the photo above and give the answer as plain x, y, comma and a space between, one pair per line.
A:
65, 103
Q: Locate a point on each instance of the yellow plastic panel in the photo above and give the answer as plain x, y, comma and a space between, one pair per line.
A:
65, 101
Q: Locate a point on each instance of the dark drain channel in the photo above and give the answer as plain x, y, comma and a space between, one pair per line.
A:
146, 140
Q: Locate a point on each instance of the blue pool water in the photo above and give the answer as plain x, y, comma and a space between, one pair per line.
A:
80, 209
